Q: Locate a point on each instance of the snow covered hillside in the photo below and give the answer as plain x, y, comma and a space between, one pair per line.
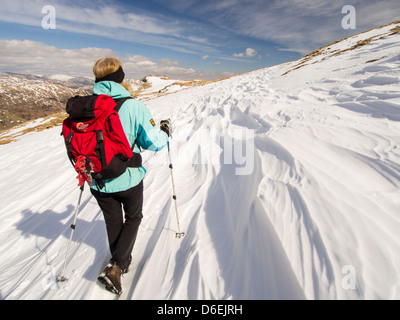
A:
151, 87
27, 97
288, 185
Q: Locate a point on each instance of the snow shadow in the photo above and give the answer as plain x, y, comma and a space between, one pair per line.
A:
251, 258
376, 109
55, 227
149, 248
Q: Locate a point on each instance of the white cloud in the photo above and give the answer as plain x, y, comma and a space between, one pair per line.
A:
137, 60
249, 53
205, 57
138, 66
25, 56
238, 55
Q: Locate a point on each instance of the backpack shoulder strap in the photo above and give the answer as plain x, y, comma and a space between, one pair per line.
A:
120, 102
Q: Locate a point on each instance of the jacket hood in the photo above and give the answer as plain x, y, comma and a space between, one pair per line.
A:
110, 88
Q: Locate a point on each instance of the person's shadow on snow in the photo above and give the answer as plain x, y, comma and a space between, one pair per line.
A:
56, 226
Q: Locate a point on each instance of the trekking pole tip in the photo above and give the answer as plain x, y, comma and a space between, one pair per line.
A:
179, 235
62, 279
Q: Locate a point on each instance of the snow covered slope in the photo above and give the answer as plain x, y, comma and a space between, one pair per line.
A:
28, 97
151, 87
288, 188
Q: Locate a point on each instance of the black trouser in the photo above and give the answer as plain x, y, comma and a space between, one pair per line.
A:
121, 232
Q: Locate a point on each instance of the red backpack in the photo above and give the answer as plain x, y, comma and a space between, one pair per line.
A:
95, 140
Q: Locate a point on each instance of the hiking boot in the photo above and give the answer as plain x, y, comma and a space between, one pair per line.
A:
125, 270
111, 278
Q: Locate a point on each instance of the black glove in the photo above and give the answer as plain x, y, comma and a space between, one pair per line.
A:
165, 125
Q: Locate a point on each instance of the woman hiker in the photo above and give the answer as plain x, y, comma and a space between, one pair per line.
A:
121, 199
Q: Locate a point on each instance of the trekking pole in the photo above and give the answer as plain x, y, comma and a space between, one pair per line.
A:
179, 234
62, 278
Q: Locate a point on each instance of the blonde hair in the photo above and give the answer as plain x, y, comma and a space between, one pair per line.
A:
106, 66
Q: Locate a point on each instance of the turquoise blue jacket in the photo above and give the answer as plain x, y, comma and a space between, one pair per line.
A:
138, 124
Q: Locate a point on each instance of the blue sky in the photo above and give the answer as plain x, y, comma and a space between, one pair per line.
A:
177, 38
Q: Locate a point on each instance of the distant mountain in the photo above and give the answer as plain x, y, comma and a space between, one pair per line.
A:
29, 97
71, 82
